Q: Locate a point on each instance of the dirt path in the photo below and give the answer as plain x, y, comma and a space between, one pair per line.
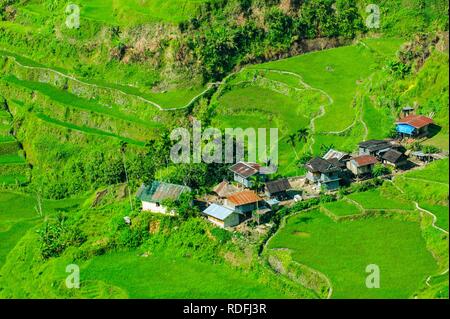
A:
427, 281
312, 126
209, 86
433, 224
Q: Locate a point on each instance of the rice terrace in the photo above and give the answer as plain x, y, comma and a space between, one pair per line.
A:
92, 205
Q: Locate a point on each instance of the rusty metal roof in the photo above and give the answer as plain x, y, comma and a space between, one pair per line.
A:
159, 191
244, 197
417, 121
245, 169
225, 189
365, 160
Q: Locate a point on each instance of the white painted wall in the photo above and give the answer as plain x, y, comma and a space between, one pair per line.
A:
153, 207
230, 221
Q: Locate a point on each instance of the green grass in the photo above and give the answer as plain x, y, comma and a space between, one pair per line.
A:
336, 71
441, 213
374, 199
440, 140
72, 100
342, 208
434, 172
429, 187
11, 159
256, 107
433, 178
379, 121
14, 178
6, 138
18, 215
129, 12
173, 277
268, 98
176, 98
87, 130
342, 251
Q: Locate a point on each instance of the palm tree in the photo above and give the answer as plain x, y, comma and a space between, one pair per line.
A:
291, 139
256, 185
302, 135
123, 149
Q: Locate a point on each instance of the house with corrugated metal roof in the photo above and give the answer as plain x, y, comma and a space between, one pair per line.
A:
244, 202
277, 188
323, 173
222, 216
394, 158
153, 196
413, 125
242, 171
362, 165
224, 189
338, 155
374, 147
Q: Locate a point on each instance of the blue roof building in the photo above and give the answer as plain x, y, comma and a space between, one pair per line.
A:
222, 216
413, 125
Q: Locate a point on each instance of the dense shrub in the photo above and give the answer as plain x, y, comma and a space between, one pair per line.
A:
380, 170
57, 235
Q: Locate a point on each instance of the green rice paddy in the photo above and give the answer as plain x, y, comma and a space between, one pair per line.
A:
342, 251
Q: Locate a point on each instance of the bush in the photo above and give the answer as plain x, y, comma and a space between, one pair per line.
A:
55, 236
380, 170
430, 149
221, 235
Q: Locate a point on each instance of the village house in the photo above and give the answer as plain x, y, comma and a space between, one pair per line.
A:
407, 110
263, 215
394, 158
422, 157
413, 125
222, 216
273, 203
154, 195
225, 189
361, 165
333, 154
244, 202
277, 188
323, 173
374, 147
242, 172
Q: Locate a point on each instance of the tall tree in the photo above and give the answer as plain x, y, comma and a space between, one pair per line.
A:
302, 135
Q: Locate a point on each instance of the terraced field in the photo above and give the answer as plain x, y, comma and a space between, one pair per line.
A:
342, 250
13, 166
429, 187
173, 277
127, 12
313, 91
167, 100
18, 214
396, 224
